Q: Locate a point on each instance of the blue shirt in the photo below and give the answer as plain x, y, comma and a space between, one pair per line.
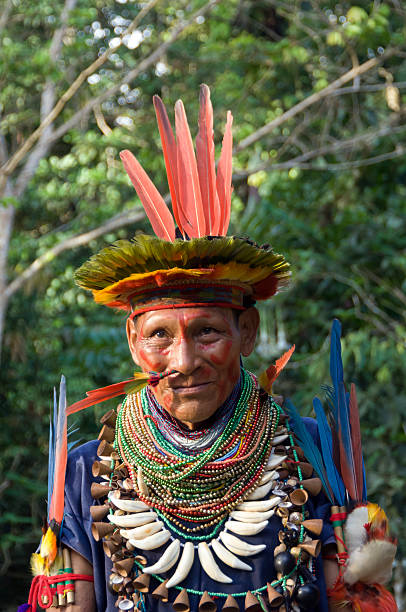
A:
77, 536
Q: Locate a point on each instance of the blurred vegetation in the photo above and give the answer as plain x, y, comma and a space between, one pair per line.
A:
327, 187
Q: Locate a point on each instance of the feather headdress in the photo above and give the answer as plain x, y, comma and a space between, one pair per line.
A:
201, 265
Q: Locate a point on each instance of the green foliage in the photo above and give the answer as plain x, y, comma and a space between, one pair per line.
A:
326, 188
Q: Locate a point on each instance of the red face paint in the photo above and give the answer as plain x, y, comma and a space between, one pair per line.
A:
203, 345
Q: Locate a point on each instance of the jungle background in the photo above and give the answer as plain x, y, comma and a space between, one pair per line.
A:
317, 90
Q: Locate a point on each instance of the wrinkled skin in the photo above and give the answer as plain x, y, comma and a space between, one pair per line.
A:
203, 345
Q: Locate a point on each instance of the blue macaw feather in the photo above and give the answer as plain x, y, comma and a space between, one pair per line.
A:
309, 447
347, 467
326, 441
51, 452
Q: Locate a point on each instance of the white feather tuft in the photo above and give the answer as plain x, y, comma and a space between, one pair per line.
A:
355, 534
372, 563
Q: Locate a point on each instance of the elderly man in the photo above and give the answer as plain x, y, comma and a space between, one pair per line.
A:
197, 495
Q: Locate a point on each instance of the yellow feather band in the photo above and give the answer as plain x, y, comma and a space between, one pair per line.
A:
126, 273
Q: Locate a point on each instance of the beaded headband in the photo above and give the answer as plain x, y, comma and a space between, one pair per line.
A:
195, 261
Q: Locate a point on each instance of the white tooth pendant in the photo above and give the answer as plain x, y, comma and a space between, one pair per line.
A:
138, 533
184, 565
132, 520
251, 517
267, 476
167, 560
152, 541
238, 547
245, 529
262, 505
142, 487
261, 492
209, 565
228, 558
128, 505
274, 461
279, 439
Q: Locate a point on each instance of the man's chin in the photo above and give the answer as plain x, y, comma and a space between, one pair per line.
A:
193, 412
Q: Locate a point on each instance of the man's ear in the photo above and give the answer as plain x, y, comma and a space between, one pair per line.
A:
248, 324
132, 339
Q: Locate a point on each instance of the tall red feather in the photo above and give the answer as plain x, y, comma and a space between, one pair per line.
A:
157, 211
206, 165
356, 442
224, 175
170, 156
189, 187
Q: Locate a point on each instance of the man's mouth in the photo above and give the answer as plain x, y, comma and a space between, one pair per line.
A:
194, 388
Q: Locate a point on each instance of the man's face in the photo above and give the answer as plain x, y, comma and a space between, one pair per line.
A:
203, 345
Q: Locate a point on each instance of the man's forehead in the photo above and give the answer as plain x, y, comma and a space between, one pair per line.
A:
187, 315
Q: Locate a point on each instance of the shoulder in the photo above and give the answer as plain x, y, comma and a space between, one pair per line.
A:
81, 458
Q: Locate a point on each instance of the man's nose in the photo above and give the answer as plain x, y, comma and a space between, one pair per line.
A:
183, 356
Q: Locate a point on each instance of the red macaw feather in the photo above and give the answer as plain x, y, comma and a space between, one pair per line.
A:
189, 186
224, 176
170, 156
55, 512
356, 442
157, 211
346, 470
206, 165
363, 597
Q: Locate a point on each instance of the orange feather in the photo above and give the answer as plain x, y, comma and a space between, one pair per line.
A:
189, 187
96, 396
154, 204
170, 156
224, 176
206, 165
99, 395
268, 377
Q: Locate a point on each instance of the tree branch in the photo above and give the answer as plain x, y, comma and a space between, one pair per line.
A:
4, 16
125, 218
366, 88
47, 102
310, 100
133, 74
345, 145
13, 162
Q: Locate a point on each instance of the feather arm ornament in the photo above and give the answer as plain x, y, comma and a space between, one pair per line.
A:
189, 186
206, 165
154, 204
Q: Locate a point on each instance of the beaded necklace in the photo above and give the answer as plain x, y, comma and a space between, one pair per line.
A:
203, 488
181, 437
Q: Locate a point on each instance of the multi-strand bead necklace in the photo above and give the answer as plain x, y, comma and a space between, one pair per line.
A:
197, 492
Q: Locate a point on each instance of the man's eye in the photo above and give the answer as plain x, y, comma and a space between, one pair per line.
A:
207, 330
159, 333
